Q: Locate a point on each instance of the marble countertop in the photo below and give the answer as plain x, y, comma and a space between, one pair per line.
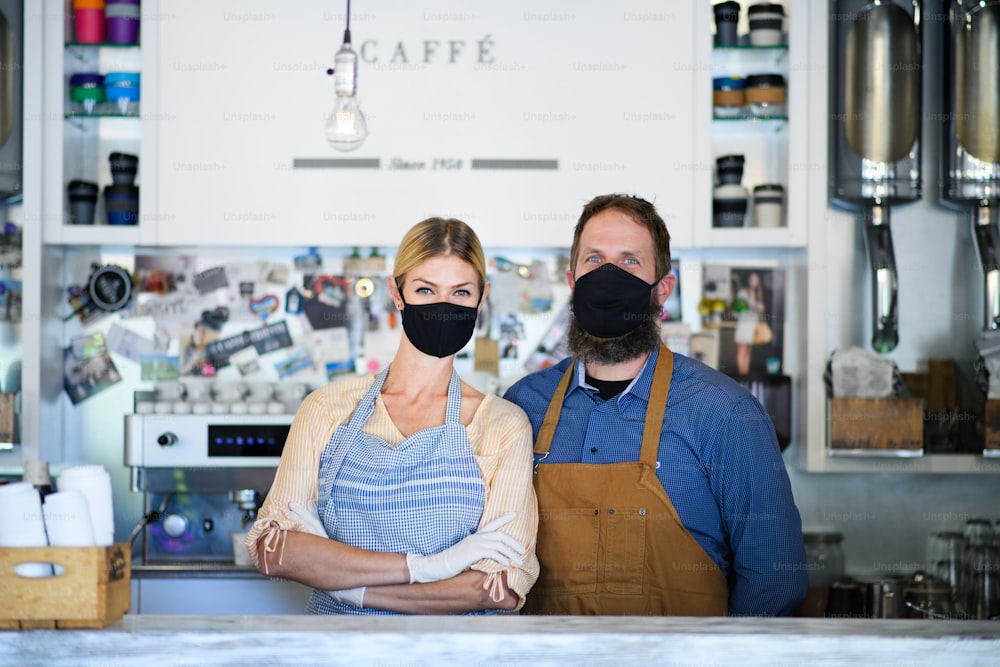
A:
506, 640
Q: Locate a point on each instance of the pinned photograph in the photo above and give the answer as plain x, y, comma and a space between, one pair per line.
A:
746, 306
246, 361
159, 367
82, 378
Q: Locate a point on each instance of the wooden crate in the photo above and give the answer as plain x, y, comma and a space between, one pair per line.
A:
93, 590
876, 426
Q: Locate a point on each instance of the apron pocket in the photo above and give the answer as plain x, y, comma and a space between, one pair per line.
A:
567, 550
626, 550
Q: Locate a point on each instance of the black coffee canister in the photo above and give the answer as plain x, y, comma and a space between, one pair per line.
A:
729, 211
727, 15
82, 201
729, 198
123, 168
122, 204
729, 169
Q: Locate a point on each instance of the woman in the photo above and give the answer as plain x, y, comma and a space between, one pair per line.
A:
384, 480
751, 306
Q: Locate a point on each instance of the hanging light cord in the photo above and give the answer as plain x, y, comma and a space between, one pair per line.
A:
347, 27
347, 37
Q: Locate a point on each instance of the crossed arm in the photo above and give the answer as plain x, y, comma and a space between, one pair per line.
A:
326, 564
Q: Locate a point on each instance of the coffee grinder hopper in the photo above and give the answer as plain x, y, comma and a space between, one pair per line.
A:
875, 133
972, 134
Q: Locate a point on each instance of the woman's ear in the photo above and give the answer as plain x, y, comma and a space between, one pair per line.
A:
482, 299
394, 292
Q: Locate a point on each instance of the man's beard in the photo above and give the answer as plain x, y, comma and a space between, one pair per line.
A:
640, 341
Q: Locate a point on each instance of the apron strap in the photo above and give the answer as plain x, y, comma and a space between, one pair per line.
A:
453, 413
366, 405
544, 440
657, 406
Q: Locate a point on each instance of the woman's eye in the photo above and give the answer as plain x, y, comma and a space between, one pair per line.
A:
424, 290
463, 292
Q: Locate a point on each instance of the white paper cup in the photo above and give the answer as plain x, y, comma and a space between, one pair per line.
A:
169, 391
289, 392
260, 392
67, 520
228, 392
198, 390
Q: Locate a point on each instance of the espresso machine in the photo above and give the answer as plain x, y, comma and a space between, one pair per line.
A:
203, 477
875, 133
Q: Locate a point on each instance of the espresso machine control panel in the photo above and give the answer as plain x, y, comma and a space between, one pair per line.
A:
163, 441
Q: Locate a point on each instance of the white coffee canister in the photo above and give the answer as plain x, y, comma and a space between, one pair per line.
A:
766, 21
769, 205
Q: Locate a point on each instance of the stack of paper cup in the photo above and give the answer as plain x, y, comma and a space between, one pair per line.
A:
21, 524
67, 520
94, 483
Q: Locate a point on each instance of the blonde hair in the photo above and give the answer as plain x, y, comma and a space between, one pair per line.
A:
434, 237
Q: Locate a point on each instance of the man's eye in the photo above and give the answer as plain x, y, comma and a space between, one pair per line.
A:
594, 260
632, 261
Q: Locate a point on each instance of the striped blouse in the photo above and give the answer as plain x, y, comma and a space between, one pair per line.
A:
500, 436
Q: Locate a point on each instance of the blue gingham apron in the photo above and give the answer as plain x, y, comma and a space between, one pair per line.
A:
420, 496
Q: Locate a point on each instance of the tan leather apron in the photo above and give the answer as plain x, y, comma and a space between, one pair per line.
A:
609, 540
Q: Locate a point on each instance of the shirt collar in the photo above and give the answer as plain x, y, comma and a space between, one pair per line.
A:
639, 387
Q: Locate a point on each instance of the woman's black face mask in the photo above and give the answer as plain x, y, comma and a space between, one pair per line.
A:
439, 329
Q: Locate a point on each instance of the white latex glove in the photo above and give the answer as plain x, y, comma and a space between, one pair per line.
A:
487, 542
310, 520
350, 596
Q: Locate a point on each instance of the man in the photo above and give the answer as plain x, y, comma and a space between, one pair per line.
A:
650, 504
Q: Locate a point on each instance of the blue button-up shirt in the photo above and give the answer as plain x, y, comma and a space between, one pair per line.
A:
719, 462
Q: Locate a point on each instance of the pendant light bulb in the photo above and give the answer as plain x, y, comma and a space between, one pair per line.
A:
346, 128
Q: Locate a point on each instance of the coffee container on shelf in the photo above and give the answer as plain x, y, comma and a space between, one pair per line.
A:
729, 198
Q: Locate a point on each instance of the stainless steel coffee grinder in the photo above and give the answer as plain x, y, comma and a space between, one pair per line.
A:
972, 133
875, 132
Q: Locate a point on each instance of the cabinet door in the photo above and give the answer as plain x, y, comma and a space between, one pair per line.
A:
505, 115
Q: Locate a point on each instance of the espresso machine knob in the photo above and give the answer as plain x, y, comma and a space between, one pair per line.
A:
175, 525
167, 439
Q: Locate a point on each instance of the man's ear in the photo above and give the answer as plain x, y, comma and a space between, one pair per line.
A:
665, 288
570, 279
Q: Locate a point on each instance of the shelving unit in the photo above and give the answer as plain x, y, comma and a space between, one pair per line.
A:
89, 138
773, 146
64, 145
